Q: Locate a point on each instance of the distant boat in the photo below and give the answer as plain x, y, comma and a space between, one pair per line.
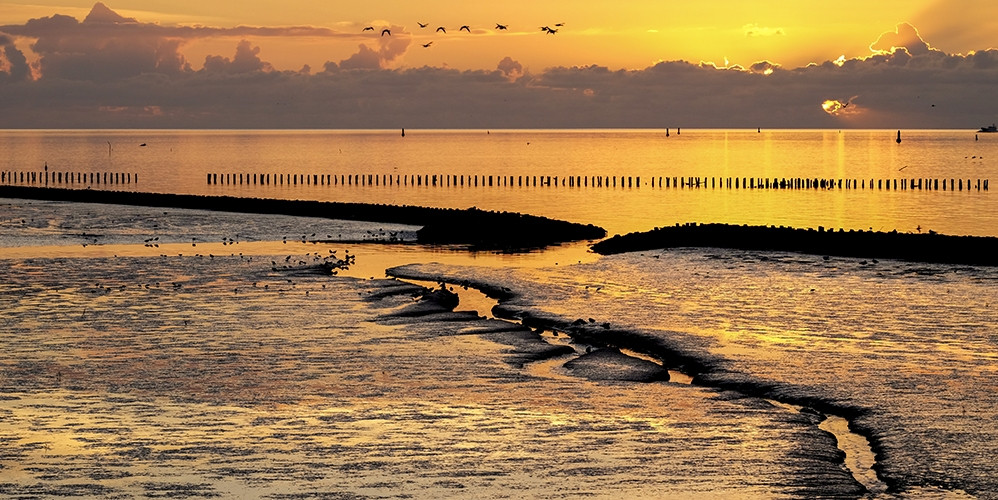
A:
992, 128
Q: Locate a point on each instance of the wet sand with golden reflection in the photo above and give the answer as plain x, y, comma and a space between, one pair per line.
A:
150, 353
216, 369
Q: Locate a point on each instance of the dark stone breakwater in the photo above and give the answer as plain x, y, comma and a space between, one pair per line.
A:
476, 228
923, 247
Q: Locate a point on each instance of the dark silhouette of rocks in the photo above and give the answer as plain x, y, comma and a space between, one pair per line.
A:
929, 247
476, 228
502, 230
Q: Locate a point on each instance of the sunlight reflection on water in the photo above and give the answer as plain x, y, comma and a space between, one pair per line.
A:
200, 377
202, 364
909, 344
178, 161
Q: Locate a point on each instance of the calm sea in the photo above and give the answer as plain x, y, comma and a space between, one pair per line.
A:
152, 352
179, 162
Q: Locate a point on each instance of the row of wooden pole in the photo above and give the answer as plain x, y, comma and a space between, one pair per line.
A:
67, 178
895, 184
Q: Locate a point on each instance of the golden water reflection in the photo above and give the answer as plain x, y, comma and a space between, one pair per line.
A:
201, 375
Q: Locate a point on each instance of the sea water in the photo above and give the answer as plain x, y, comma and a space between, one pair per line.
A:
172, 352
180, 161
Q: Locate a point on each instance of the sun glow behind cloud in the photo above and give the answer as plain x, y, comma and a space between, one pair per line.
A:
838, 108
832, 106
630, 68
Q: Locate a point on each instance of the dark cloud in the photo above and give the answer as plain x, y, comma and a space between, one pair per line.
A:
110, 71
365, 58
107, 46
891, 91
764, 67
246, 60
510, 68
390, 48
13, 65
101, 14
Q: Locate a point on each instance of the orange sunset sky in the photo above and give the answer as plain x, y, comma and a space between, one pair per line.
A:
925, 63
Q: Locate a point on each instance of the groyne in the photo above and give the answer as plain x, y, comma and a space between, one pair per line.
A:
54, 178
46, 177
479, 229
596, 181
922, 247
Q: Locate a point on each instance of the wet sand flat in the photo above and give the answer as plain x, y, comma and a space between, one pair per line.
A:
902, 350
200, 377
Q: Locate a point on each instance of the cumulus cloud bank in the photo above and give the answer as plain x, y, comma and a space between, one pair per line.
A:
390, 48
905, 36
112, 71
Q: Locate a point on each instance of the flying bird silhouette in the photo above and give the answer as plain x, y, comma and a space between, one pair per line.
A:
369, 28
501, 26
441, 28
422, 25
386, 31
465, 27
427, 44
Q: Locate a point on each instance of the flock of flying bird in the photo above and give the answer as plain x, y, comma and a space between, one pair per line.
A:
441, 29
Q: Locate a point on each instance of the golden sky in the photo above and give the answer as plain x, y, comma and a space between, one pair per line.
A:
619, 35
311, 64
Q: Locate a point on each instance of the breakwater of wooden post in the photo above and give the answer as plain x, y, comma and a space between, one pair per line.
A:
599, 181
65, 178
923, 247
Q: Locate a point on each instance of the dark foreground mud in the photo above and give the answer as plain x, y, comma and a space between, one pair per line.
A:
931, 247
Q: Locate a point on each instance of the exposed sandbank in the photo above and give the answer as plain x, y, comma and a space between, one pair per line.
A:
477, 228
930, 247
